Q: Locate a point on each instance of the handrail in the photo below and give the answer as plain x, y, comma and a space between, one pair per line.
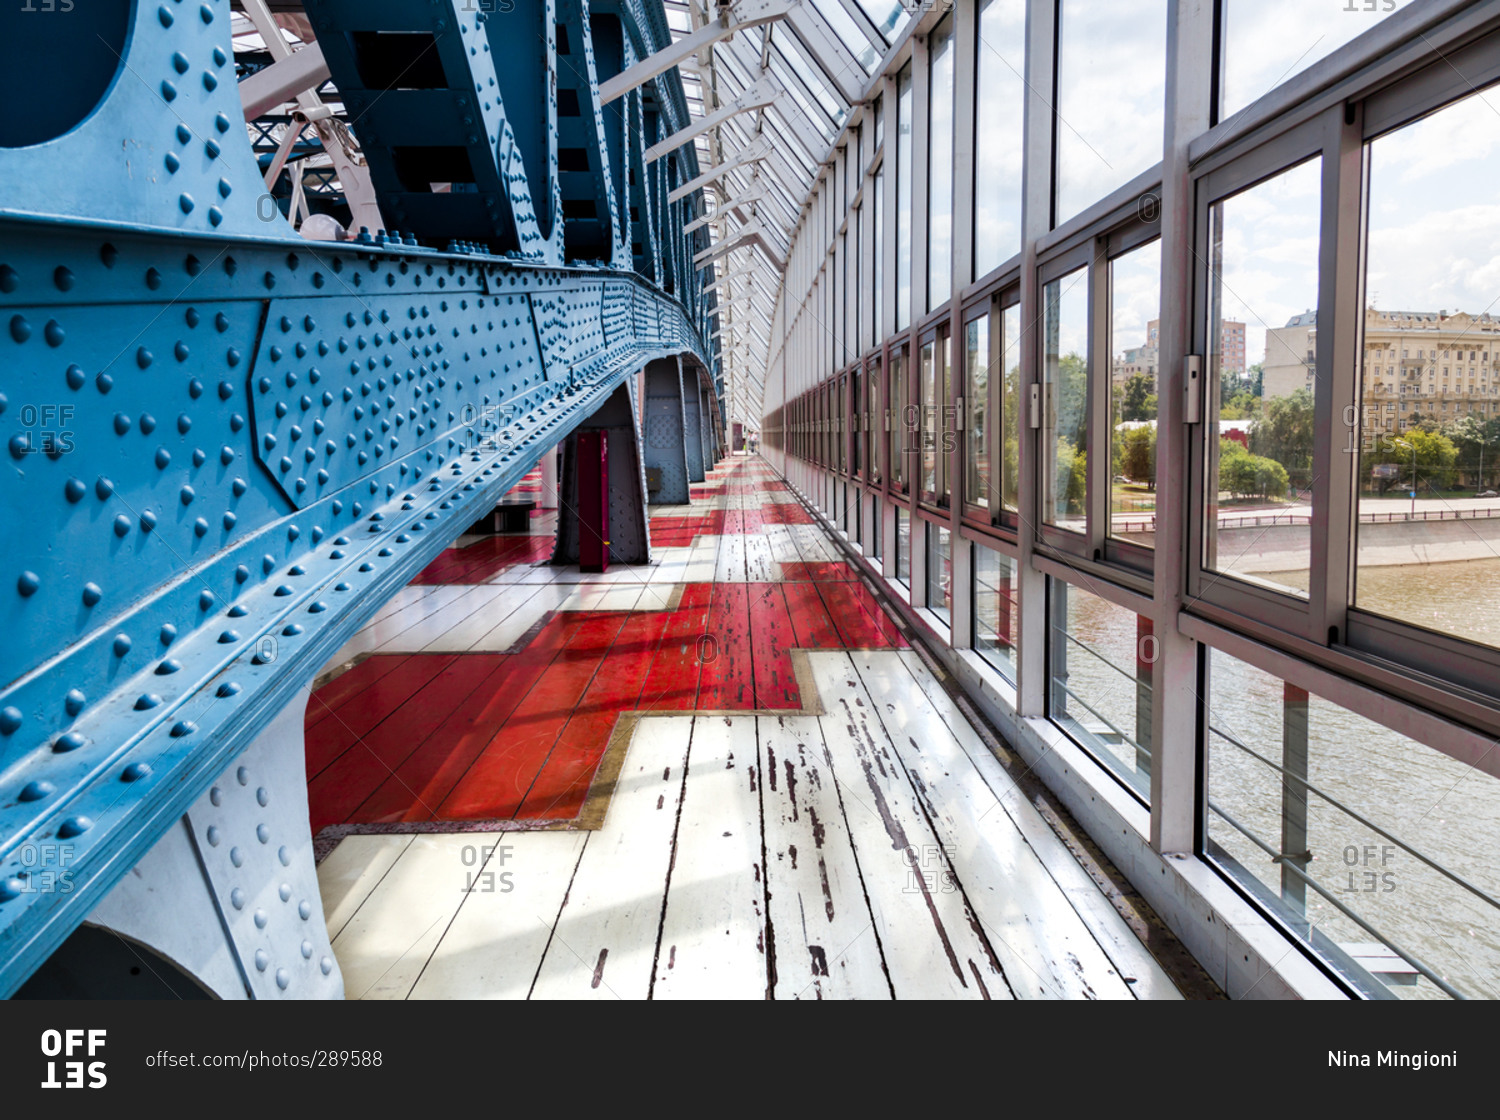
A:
1410, 958
1371, 825
1258, 520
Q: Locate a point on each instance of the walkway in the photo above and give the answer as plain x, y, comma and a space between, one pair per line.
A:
723, 775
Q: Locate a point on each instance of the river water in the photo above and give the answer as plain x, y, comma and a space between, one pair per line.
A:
1444, 809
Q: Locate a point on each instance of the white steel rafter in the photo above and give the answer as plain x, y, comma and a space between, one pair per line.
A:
774, 93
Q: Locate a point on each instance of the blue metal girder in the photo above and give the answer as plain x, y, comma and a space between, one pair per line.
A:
456, 109
225, 458
226, 447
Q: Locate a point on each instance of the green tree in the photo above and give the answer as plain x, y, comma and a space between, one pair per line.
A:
1246, 475
1432, 454
1137, 400
1241, 406
1478, 444
1070, 480
1284, 433
1138, 455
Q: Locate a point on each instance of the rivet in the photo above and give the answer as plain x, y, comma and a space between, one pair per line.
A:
263, 798
183, 728
70, 741
74, 826
242, 775
136, 771
53, 333
236, 857
35, 791
74, 701
148, 519
103, 487
121, 645
228, 636
169, 666
146, 701
263, 834
27, 583
304, 910
284, 854
326, 965
213, 836
10, 719
262, 958
227, 689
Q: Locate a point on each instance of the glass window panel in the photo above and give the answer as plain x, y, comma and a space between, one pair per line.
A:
1065, 385
1265, 271
855, 426
1268, 41
1429, 549
903, 547
1011, 409
1100, 694
940, 572
903, 197
1134, 304
872, 417
927, 380
877, 525
976, 407
995, 610
888, 16
812, 77
810, 112
1111, 90
1324, 815
998, 121
901, 418
878, 260
849, 34
940, 167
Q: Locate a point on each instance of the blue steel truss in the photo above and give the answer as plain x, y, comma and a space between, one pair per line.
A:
226, 446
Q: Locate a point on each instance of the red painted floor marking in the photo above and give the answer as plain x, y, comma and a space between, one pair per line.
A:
562, 785
495, 786
672, 683
349, 780
772, 638
819, 571
345, 686
364, 712
467, 737
815, 630
728, 681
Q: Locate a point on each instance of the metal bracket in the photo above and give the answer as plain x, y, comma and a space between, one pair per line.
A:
1192, 389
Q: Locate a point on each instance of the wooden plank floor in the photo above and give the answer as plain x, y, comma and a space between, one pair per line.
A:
873, 850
